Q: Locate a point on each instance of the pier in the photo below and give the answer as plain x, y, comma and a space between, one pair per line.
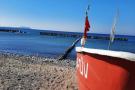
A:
74, 35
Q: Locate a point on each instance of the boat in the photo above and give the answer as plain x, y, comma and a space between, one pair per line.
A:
99, 69
105, 69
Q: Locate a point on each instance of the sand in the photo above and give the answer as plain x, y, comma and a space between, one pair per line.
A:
18, 72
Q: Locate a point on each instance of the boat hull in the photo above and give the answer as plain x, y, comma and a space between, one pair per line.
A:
101, 72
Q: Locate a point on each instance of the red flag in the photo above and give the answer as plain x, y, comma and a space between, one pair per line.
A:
87, 26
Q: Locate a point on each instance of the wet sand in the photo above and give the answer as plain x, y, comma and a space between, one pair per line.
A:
35, 73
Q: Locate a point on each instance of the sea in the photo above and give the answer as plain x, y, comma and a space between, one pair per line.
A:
30, 42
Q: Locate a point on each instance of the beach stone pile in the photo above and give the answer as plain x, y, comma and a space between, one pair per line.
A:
18, 72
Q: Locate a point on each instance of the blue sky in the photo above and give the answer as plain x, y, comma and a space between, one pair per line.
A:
68, 15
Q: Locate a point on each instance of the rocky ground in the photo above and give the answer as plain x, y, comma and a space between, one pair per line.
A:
35, 73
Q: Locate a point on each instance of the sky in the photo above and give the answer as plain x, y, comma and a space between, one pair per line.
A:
69, 15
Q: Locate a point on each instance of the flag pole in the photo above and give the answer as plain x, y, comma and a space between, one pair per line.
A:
86, 28
112, 35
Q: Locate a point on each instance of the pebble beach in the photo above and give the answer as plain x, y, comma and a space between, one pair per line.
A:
19, 72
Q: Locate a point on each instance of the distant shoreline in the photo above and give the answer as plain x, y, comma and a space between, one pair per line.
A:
63, 34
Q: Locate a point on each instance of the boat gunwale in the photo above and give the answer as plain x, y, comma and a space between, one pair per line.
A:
119, 54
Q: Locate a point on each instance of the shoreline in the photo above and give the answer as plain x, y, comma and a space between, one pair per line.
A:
36, 73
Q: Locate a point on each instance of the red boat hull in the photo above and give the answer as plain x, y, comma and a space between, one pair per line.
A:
101, 72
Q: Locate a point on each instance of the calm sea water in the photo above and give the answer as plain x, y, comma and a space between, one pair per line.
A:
54, 46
